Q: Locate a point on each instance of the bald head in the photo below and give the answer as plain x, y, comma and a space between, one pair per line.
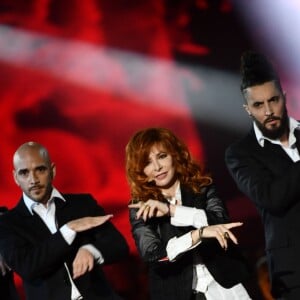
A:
33, 171
31, 147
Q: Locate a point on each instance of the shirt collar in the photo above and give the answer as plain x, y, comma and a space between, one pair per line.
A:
177, 196
293, 125
30, 204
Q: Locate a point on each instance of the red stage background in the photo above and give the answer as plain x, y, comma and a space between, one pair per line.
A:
81, 77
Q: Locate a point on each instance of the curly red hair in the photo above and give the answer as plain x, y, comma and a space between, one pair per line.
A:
189, 173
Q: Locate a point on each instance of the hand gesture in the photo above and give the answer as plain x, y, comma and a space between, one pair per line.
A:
221, 232
83, 262
87, 223
150, 208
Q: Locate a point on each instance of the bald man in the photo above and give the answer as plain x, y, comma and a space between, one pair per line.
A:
57, 242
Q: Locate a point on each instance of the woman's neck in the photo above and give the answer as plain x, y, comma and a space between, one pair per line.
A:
170, 191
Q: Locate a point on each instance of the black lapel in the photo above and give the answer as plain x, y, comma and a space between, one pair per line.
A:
275, 150
268, 152
61, 216
37, 229
297, 135
189, 198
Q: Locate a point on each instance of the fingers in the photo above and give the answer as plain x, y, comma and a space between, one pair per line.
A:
222, 233
146, 209
232, 225
83, 262
226, 237
143, 210
81, 269
218, 232
222, 241
96, 221
86, 223
150, 209
102, 219
135, 205
228, 234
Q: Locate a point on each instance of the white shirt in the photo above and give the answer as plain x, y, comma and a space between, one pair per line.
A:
202, 279
47, 214
291, 150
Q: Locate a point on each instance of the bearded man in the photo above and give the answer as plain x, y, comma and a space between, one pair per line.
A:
265, 166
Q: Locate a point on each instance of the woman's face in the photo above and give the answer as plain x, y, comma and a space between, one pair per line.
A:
160, 167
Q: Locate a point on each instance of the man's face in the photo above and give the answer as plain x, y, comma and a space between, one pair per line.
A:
266, 105
34, 174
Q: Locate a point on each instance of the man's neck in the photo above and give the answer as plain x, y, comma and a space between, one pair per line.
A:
284, 139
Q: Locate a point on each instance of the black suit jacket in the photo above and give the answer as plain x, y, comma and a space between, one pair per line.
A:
173, 280
8, 290
38, 256
271, 180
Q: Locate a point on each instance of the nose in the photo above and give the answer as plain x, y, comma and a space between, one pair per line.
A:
33, 178
157, 165
268, 110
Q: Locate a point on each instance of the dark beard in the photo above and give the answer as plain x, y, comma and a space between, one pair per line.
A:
275, 133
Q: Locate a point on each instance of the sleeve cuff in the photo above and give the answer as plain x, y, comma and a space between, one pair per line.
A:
178, 245
189, 216
95, 252
68, 234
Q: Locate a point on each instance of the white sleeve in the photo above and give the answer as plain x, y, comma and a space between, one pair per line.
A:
68, 234
95, 252
178, 245
189, 216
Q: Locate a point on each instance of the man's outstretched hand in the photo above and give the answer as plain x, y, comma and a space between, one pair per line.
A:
87, 223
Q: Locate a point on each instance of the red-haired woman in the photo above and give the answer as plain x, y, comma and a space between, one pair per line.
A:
180, 226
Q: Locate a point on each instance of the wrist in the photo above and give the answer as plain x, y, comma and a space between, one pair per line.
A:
201, 232
196, 238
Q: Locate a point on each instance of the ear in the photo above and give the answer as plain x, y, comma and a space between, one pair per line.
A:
15, 177
53, 170
246, 107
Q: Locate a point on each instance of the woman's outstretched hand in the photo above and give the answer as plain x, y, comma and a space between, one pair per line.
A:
151, 208
221, 232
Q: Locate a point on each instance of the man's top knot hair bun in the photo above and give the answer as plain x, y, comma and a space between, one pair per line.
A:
256, 69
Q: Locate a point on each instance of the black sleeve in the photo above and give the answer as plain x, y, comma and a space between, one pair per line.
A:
269, 188
149, 244
27, 258
215, 209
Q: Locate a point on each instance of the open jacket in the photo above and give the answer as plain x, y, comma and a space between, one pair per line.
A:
269, 177
173, 280
38, 256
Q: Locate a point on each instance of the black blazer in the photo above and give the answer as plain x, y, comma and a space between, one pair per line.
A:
173, 280
8, 290
38, 256
271, 180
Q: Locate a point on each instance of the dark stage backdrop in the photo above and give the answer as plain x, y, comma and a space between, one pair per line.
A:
81, 77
